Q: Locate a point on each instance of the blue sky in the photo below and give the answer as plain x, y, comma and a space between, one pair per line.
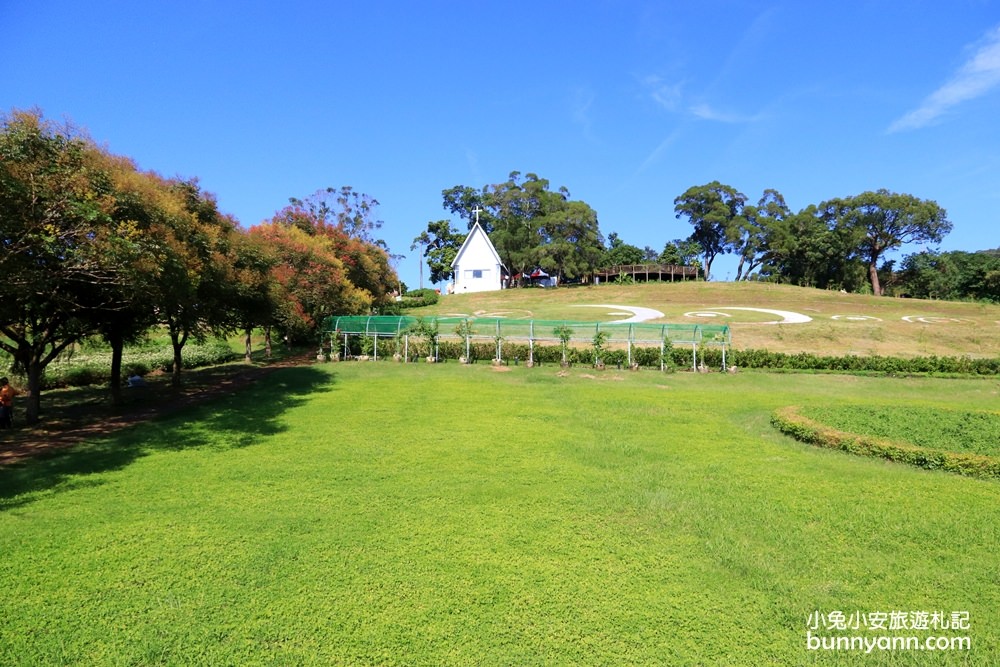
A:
627, 104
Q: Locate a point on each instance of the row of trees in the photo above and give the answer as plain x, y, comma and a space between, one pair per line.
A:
839, 243
90, 245
949, 275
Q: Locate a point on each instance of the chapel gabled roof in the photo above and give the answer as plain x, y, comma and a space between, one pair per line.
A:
468, 240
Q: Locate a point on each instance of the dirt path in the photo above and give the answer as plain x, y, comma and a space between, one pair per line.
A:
48, 436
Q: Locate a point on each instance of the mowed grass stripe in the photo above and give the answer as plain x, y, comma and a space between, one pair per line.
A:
449, 515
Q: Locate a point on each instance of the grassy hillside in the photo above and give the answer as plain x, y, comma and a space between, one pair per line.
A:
840, 323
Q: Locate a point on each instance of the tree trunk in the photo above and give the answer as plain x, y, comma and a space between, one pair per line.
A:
267, 342
248, 357
177, 342
117, 349
34, 402
873, 274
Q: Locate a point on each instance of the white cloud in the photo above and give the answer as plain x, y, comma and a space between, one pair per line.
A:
706, 112
667, 95
979, 75
670, 97
583, 100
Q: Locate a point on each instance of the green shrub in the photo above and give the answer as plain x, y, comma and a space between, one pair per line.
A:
790, 422
87, 368
419, 297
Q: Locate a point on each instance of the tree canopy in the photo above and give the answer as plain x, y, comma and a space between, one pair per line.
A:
716, 213
882, 220
530, 225
91, 246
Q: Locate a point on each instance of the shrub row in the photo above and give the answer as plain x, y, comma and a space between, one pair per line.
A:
790, 422
681, 357
95, 367
853, 363
419, 297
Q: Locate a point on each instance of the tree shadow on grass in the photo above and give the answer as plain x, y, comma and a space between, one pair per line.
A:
222, 421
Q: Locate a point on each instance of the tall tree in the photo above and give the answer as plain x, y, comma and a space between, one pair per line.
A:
193, 298
572, 243
141, 202
462, 200
58, 241
254, 299
716, 212
353, 212
884, 221
518, 208
529, 224
310, 281
749, 234
951, 275
441, 243
808, 249
366, 262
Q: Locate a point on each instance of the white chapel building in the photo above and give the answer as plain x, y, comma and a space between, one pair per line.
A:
477, 266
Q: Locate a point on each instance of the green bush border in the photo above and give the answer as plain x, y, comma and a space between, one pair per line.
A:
791, 423
92, 368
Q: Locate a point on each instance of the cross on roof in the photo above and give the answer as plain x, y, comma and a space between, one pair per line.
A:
477, 211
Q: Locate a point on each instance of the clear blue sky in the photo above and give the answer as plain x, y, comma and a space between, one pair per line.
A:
625, 103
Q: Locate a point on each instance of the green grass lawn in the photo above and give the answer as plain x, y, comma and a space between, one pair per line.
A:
380, 513
924, 426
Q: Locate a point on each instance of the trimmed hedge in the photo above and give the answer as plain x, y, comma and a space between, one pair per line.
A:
805, 361
419, 297
790, 422
680, 358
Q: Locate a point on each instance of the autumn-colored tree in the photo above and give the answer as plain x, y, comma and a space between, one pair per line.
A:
142, 203
310, 281
195, 283
62, 248
347, 219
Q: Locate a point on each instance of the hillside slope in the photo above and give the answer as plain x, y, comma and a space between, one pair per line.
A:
837, 323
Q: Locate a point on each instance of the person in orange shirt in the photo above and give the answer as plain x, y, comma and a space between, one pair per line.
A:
7, 394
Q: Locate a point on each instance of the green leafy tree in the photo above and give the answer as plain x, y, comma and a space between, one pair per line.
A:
142, 202
195, 289
619, 253
808, 249
748, 235
951, 275
883, 221
254, 299
716, 213
441, 243
680, 252
530, 225
518, 208
572, 243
